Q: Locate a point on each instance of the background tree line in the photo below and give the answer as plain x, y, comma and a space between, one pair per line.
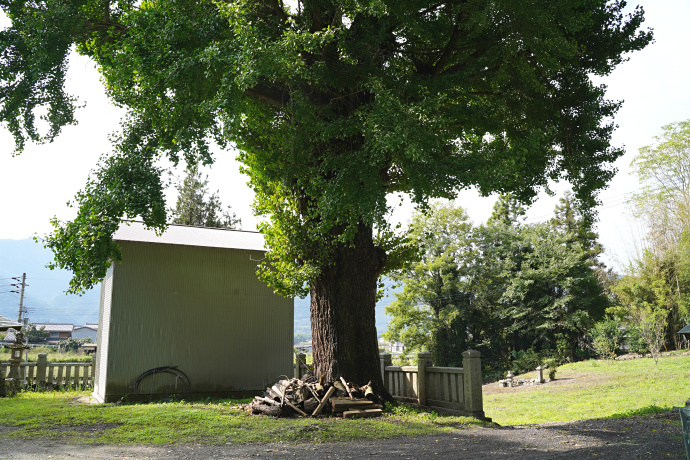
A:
652, 295
520, 294
528, 295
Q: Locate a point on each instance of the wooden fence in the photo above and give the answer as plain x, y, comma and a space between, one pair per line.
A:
458, 389
300, 366
43, 374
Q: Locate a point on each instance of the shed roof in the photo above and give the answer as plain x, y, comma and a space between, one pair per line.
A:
685, 330
192, 236
55, 327
6, 323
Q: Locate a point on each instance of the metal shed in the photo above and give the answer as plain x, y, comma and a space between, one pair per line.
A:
191, 298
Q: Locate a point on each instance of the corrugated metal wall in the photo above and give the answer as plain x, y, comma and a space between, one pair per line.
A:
201, 309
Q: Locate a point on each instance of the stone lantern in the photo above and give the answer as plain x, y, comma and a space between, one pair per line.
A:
16, 349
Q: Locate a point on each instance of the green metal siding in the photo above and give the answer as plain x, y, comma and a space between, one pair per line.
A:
201, 309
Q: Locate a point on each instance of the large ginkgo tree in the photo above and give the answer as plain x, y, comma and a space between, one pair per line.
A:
333, 106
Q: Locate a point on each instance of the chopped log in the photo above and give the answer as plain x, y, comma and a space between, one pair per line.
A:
362, 413
329, 393
308, 397
301, 392
369, 392
357, 402
313, 393
339, 386
310, 405
271, 393
267, 401
277, 391
265, 409
282, 400
347, 387
297, 409
343, 404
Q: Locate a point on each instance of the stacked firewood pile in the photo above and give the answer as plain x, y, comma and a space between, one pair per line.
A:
306, 398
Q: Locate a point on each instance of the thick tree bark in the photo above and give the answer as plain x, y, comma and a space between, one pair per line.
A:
343, 324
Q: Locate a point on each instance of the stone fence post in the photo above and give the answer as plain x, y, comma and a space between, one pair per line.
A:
2, 384
540, 374
41, 365
386, 359
472, 372
300, 362
423, 361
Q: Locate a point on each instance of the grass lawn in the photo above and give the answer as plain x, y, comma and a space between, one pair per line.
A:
586, 390
594, 389
58, 416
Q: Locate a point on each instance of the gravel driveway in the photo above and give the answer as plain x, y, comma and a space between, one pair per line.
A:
656, 436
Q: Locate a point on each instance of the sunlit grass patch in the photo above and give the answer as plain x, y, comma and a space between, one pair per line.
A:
596, 389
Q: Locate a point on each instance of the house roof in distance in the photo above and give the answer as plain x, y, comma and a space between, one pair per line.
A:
192, 236
6, 323
55, 327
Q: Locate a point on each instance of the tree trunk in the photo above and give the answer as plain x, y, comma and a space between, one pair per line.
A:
343, 325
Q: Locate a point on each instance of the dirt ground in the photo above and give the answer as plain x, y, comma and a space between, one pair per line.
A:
657, 436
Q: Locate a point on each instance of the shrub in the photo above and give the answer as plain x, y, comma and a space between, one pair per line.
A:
71, 345
34, 335
607, 336
637, 343
525, 361
552, 373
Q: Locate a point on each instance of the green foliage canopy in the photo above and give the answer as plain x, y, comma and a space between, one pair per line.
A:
654, 294
664, 172
333, 104
431, 313
505, 289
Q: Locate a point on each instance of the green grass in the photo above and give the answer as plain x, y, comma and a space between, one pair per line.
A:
53, 355
57, 415
595, 389
586, 390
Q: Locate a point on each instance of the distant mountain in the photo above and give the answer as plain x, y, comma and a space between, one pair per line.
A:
303, 323
44, 296
47, 302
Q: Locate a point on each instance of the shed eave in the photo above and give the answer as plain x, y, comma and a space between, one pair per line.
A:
192, 236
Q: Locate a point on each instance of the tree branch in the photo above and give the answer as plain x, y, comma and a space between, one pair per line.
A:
278, 9
267, 94
449, 49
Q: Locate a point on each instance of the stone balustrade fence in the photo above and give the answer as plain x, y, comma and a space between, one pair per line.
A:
42, 374
455, 389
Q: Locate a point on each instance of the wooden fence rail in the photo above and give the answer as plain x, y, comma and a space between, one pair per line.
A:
455, 388
43, 374
300, 366
458, 389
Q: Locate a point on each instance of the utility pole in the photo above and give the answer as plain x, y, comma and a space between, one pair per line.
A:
20, 285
